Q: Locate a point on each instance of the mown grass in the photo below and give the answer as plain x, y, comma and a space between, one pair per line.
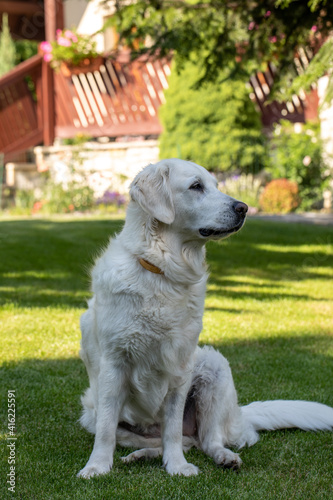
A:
268, 309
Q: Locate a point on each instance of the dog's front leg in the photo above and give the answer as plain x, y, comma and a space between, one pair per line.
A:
172, 434
111, 397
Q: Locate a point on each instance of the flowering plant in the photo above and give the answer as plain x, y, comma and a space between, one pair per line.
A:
280, 196
112, 198
69, 47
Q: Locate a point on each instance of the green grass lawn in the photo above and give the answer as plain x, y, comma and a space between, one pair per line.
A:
268, 309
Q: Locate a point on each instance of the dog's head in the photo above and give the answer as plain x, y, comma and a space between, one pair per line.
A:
185, 196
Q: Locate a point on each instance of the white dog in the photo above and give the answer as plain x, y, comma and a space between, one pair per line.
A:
140, 333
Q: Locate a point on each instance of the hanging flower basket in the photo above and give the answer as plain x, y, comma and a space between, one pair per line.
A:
72, 53
85, 65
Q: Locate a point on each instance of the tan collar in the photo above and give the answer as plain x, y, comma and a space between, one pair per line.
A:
150, 267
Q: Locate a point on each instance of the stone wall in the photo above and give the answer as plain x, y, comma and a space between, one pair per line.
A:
105, 167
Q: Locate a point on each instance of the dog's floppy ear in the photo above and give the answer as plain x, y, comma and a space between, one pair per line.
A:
151, 190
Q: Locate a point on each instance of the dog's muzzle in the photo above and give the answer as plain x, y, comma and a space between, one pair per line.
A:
240, 210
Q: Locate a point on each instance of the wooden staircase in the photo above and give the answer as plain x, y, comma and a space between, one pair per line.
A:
26, 107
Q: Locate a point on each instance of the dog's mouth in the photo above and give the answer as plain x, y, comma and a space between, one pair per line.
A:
219, 233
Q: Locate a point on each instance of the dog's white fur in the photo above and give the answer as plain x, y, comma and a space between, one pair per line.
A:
140, 333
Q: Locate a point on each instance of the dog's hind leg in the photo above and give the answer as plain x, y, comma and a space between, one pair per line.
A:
144, 453
219, 418
151, 447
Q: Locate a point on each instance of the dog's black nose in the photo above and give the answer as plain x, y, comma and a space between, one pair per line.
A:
240, 208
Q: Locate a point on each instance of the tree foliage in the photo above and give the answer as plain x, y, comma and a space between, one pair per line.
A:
215, 124
242, 35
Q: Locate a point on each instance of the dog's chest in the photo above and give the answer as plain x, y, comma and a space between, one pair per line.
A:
175, 310
160, 351
166, 325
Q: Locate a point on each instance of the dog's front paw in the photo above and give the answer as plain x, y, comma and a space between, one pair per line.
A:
95, 469
228, 459
184, 469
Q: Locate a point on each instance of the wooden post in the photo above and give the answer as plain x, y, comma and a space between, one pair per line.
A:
48, 104
50, 19
53, 16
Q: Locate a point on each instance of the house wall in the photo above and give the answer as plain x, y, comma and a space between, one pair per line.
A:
326, 130
326, 119
88, 18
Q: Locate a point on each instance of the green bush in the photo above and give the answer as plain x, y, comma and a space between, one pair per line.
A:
54, 199
24, 202
279, 196
215, 125
298, 157
57, 199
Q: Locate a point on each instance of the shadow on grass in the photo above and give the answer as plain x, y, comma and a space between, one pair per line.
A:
46, 262
282, 367
267, 269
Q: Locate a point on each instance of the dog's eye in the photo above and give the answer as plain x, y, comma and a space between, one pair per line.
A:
197, 186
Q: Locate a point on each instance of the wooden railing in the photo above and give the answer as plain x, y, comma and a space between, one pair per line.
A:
111, 98
26, 106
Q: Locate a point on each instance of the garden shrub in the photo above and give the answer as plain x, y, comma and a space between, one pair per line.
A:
215, 125
298, 157
57, 199
279, 196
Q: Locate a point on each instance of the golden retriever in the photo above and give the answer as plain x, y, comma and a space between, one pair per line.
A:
151, 386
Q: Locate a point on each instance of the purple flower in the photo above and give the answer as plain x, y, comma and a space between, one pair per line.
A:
111, 198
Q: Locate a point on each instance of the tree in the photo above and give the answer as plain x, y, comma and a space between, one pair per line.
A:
7, 48
215, 124
243, 35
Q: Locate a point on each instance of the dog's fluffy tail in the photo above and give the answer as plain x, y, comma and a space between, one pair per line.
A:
280, 414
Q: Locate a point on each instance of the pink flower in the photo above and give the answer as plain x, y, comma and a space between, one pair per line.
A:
47, 57
70, 35
46, 47
272, 39
268, 13
251, 25
58, 32
314, 28
64, 42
